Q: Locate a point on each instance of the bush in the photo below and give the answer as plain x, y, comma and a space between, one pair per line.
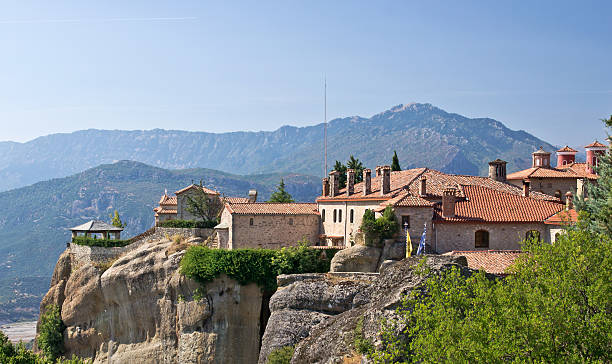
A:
385, 227
555, 307
50, 337
281, 355
260, 266
189, 224
105, 243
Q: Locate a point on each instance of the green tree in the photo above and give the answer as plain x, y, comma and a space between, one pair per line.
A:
376, 229
116, 220
341, 169
204, 206
280, 195
395, 166
556, 306
596, 206
357, 166
50, 336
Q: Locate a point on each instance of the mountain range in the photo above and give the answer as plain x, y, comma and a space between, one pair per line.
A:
422, 135
34, 220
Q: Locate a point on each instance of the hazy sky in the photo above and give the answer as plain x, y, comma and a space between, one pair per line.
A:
541, 66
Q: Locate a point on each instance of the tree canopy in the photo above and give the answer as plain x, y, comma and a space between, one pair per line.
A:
280, 195
116, 220
352, 163
204, 206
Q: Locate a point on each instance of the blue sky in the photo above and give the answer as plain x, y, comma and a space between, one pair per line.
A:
541, 66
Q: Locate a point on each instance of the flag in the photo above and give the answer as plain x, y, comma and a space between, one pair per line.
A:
421, 249
408, 245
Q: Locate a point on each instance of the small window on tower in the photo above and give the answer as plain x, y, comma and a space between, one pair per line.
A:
323, 215
251, 221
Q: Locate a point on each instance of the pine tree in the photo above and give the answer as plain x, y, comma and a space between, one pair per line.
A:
357, 166
596, 206
341, 169
395, 166
116, 220
280, 195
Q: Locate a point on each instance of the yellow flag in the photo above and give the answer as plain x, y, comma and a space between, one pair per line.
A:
408, 245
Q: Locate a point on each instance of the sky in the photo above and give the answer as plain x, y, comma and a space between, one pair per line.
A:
540, 66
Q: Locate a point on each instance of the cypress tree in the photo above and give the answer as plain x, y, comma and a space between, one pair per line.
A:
395, 166
280, 195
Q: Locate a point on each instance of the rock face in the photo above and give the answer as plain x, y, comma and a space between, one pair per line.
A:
318, 313
142, 310
358, 258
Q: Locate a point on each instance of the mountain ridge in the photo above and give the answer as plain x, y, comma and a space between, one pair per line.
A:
422, 134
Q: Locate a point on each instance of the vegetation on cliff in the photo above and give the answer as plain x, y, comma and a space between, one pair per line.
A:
19, 354
105, 243
260, 266
376, 229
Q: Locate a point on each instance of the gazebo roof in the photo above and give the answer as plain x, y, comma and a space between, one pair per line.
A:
96, 226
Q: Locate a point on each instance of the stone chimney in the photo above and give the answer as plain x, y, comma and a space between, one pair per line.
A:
423, 187
367, 181
334, 183
497, 170
385, 181
569, 200
252, 196
526, 186
378, 171
448, 202
325, 186
350, 181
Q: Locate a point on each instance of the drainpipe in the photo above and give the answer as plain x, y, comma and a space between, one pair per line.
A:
345, 221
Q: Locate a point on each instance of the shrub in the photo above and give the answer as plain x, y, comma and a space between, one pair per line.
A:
385, 227
260, 266
362, 345
105, 243
281, 355
189, 224
50, 337
19, 354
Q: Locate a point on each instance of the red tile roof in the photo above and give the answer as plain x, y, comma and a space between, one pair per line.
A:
565, 217
596, 144
408, 180
236, 199
567, 149
207, 190
406, 199
264, 208
491, 261
573, 170
482, 204
167, 200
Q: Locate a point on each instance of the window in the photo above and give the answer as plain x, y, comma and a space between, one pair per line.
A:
557, 235
532, 235
339, 215
558, 194
405, 222
251, 221
481, 239
352, 215
290, 221
564, 162
335, 214
594, 161
323, 215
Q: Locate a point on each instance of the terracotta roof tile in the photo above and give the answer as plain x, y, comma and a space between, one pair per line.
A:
167, 200
482, 204
166, 211
573, 170
207, 190
491, 261
406, 199
565, 217
567, 149
236, 199
596, 144
264, 208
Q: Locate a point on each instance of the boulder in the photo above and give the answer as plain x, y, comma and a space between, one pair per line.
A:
393, 250
358, 258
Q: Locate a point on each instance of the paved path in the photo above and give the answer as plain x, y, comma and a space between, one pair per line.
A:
16, 331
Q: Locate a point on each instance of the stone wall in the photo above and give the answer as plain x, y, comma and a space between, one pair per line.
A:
272, 231
419, 217
460, 236
550, 186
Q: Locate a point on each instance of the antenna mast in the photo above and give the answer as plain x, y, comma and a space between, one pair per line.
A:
325, 124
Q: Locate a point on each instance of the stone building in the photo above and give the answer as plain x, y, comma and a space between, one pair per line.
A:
175, 207
267, 225
566, 176
460, 212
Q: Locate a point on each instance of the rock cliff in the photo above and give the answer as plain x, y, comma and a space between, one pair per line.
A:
142, 310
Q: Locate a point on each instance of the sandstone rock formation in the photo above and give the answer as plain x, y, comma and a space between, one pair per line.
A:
318, 313
358, 258
142, 310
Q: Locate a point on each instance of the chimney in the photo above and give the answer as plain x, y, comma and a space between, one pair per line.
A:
423, 187
334, 183
325, 186
378, 171
448, 202
541, 158
350, 181
367, 181
385, 181
526, 184
569, 200
252, 196
497, 170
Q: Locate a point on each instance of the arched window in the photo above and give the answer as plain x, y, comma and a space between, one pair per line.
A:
564, 162
532, 235
335, 214
557, 235
481, 239
323, 215
352, 215
339, 215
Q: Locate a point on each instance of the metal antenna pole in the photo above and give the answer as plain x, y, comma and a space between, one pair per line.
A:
325, 122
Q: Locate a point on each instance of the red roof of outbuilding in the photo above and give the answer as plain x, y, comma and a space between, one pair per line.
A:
491, 261
265, 208
565, 217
